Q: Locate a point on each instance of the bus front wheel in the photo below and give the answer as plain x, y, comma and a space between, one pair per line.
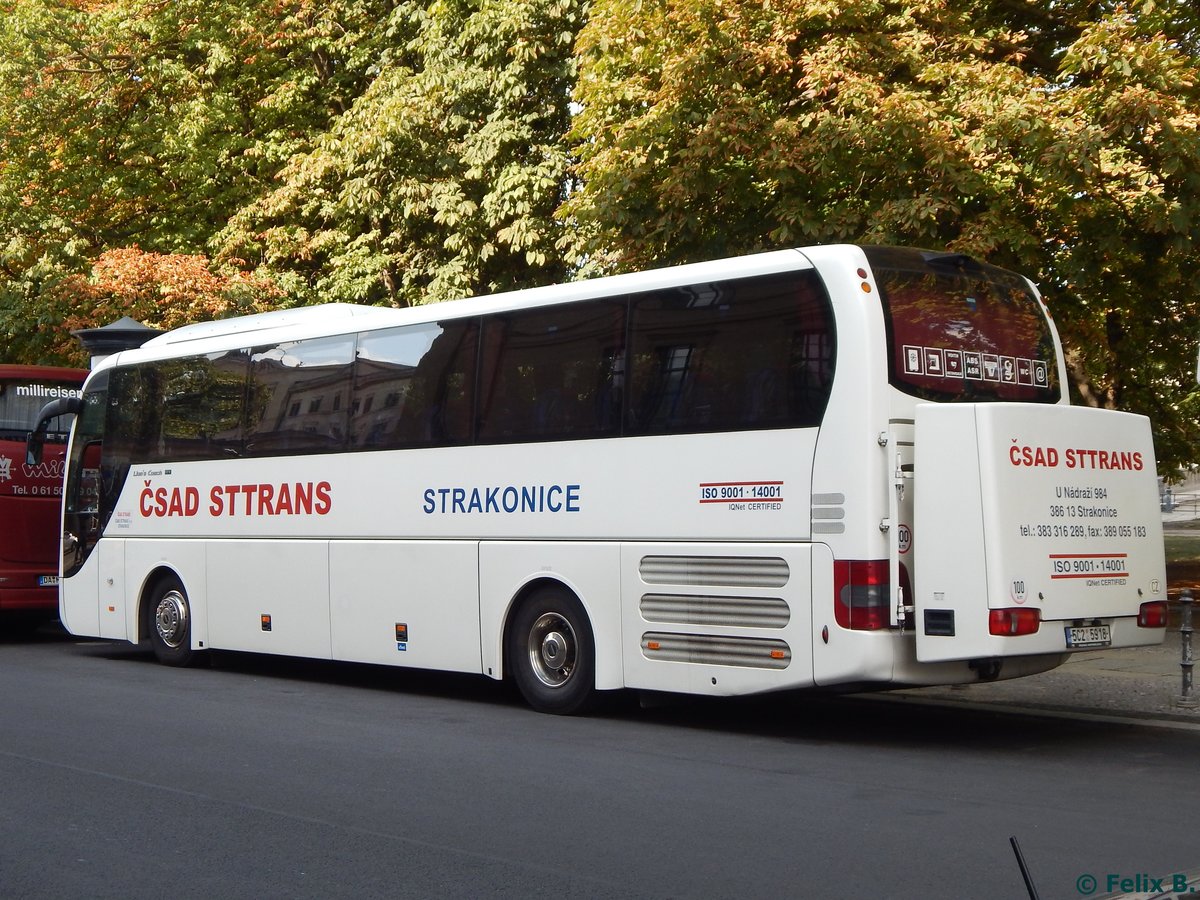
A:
171, 624
552, 654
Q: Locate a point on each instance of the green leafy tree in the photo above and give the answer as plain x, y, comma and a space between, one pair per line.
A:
1060, 140
397, 152
142, 123
442, 178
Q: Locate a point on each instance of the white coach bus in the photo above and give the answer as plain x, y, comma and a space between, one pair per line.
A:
838, 466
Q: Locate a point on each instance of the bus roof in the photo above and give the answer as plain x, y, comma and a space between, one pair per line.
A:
60, 373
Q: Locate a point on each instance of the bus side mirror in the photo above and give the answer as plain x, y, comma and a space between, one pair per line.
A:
36, 440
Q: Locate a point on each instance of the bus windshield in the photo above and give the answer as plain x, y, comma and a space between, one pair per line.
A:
962, 330
21, 399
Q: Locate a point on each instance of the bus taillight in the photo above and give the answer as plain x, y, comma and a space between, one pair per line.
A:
861, 594
1153, 614
1014, 621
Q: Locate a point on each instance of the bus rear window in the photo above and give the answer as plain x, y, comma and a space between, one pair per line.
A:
962, 330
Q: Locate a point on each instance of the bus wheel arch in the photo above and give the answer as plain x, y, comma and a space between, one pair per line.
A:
165, 614
550, 648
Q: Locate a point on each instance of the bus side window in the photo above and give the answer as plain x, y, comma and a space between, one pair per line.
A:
552, 373
739, 354
202, 406
414, 386
297, 399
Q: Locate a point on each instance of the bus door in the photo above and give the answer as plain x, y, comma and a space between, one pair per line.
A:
85, 502
1037, 531
898, 446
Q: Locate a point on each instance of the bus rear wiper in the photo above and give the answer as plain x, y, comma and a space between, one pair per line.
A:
960, 262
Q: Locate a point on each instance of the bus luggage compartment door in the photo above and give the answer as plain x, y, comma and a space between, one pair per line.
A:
1035, 529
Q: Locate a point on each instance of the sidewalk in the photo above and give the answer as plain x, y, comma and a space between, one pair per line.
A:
1133, 682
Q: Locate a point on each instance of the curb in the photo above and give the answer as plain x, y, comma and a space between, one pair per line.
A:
1172, 721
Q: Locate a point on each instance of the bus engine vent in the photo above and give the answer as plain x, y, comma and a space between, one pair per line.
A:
695, 609
727, 571
715, 650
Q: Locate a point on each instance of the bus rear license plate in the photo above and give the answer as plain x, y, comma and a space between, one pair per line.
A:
1089, 636
47, 581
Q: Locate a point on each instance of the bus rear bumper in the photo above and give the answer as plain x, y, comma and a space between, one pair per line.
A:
28, 598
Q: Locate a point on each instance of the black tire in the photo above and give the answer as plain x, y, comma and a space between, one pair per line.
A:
170, 623
551, 652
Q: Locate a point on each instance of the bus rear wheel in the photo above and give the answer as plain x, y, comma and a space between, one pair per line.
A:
171, 624
551, 651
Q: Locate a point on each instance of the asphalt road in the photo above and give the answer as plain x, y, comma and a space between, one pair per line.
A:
261, 778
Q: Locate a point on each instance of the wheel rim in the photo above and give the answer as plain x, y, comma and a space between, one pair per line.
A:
171, 619
552, 649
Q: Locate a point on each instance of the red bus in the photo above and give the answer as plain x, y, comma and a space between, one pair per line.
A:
30, 496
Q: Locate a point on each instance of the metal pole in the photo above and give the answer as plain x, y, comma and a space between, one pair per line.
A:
1186, 698
1029, 885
